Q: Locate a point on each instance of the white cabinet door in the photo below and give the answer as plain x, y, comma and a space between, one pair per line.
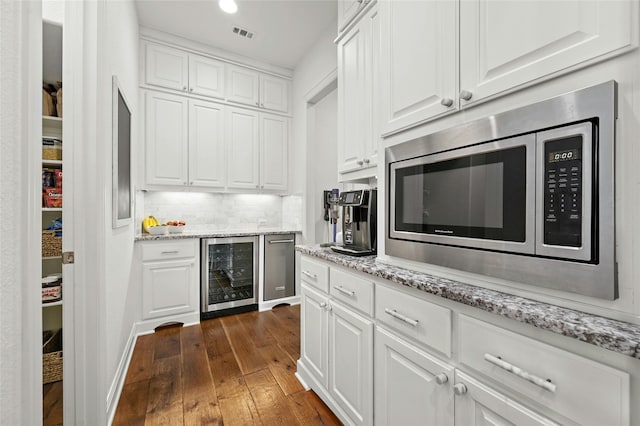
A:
206, 76
351, 363
314, 338
479, 405
169, 288
372, 21
166, 67
505, 44
412, 387
243, 85
243, 148
274, 93
419, 51
347, 10
166, 132
352, 99
207, 165
274, 144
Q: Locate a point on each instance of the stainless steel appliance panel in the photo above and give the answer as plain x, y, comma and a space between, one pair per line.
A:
279, 266
229, 273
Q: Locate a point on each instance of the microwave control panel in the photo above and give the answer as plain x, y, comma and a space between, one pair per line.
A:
563, 192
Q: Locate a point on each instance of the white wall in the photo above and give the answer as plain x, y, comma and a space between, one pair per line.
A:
315, 66
122, 295
20, 118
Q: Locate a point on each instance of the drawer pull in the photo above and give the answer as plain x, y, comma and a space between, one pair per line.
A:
401, 317
170, 252
441, 379
280, 241
345, 291
310, 275
497, 361
279, 288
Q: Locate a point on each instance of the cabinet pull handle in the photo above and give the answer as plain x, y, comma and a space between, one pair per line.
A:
360, 162
441, 379
184, 87
459, 389
499, 362
310, 275
366, 161
170, 252
447, 102
401, 317
345, 291
280, 241
279, 288
466, 95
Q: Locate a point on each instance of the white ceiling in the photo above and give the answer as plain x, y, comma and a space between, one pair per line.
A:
284, 29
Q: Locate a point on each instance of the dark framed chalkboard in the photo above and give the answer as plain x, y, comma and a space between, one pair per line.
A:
122, 196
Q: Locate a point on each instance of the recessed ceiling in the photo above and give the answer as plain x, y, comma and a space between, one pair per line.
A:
283, 30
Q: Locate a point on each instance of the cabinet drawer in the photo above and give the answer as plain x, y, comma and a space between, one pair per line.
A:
585, 391
421, 320
161, 250
351, 289
315, 274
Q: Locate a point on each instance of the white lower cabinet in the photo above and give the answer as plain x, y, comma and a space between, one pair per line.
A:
314, 325
411, 386
351, 363
479, 405
169, 278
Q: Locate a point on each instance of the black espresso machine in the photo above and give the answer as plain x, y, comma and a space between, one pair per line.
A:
359, 222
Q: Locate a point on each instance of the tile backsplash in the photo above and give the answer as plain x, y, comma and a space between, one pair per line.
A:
223, 211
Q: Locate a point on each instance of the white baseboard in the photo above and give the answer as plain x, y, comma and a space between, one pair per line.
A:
265, 306
113, 396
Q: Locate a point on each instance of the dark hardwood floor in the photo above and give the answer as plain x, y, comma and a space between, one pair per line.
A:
234, 370
52, 404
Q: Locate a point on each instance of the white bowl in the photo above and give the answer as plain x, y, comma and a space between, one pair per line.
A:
158, 230
176, 229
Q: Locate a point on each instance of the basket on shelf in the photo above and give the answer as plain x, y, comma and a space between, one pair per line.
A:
52, 356
51, 243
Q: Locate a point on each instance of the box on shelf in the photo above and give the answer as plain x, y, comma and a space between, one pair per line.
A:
51, 243
52, 197
51, 289
59, 102
51, 356
48, 106
51, 148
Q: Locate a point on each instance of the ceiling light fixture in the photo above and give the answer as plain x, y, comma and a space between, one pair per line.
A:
228, 6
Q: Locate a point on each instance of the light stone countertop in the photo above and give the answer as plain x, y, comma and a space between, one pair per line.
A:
204, 232
614, 335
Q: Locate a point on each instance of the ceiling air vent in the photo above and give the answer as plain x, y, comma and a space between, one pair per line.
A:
241, 32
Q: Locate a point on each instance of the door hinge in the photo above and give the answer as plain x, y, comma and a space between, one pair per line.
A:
68, 257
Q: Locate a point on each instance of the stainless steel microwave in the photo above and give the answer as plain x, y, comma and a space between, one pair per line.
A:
525, 195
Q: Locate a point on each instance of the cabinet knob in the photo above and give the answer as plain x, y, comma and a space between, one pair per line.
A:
323, 305
257, 103
446, 102
360, 162
258, 186
184, 87
191, 89
366, 161
442, 378
466, 95
459, 389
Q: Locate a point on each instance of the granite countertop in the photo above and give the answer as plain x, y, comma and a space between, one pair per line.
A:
614, 335
204, 232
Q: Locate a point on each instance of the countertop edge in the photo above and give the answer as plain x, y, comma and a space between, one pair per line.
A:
607, 333
213, 234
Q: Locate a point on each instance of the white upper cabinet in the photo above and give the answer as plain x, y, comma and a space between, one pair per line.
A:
166, 130
243, 143
418, 57
249, 87
274, 93
207, 165
243, 85
166, 67
504, 44
357, 99
206, 76
274, 148
347, 10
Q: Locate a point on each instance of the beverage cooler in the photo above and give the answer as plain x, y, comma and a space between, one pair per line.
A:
229, 276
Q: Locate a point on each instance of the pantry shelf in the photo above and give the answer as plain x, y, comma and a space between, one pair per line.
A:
48, 305
52, 163
52, 122
52, 257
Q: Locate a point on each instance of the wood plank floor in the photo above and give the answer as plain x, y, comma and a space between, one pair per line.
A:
234, 370
52, 404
